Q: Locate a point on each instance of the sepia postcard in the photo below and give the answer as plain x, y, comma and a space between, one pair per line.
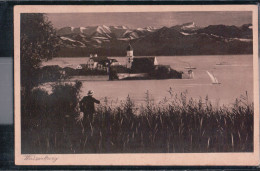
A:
157, 85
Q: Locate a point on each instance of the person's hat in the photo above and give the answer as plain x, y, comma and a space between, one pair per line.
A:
90, 92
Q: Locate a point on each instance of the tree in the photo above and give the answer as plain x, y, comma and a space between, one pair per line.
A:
38, 42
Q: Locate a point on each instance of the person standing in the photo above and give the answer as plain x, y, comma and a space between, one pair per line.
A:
87, 106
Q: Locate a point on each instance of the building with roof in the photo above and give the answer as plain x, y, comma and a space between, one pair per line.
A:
142, 64
97, 62
101, 63
139, 63
145, 67
114, 62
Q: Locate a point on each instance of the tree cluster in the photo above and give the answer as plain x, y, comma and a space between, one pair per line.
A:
38, 43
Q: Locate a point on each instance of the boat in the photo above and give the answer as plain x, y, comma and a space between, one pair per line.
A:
213, 78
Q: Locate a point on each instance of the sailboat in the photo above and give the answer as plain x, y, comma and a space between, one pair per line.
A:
221, 61
213, 78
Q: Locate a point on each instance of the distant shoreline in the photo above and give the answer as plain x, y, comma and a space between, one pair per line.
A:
154, 55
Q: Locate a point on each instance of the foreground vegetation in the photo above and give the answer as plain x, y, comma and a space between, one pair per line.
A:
176, 124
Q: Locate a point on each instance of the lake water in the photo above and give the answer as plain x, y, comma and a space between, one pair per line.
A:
235, 76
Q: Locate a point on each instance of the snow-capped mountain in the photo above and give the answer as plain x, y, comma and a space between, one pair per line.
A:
106, 31
189, 26
119, 27
84, 30
185, 39
97, 35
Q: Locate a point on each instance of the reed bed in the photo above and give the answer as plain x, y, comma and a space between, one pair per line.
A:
174, 125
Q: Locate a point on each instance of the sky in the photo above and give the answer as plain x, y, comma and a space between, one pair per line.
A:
144, 19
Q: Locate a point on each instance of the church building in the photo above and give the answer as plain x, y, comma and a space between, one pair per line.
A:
139, 64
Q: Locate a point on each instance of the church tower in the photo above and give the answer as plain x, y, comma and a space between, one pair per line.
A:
129, 56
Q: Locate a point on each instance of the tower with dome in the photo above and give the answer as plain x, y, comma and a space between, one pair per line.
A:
129, 56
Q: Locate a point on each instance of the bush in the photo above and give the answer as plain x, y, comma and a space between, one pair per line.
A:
48, 121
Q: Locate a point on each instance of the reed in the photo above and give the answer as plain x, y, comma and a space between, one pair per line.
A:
176, 124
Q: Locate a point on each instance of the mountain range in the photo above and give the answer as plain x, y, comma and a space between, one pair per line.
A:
185, 39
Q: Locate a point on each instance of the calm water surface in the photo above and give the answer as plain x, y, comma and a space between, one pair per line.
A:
235, 76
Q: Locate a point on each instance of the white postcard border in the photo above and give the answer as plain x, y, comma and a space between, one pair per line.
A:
138, 159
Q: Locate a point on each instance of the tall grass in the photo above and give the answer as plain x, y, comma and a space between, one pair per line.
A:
174, 125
